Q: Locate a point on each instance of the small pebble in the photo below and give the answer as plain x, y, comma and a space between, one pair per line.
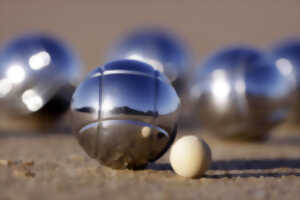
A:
76, 157
4, 162
190, 156
23, 173
28, 163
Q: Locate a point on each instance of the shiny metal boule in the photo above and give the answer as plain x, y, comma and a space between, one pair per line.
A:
37, 75
125, 114
158, 48
240, 94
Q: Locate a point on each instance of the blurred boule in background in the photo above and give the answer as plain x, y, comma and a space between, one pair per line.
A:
238, 93
38, 74
159, 48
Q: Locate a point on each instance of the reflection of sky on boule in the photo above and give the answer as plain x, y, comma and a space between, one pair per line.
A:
86, 98
220, 88
127, 90
240, 88
153, 62
32, 100
167, 99
39, 60
267, 82
284, 66
107, 104
287, 69
16, 73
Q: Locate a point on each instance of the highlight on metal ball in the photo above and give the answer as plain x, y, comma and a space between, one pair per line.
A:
286, 55
158, 48
239, 93
125, 114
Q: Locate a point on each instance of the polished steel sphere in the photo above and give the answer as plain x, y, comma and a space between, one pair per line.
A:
160, 49
36, 71
125, 114
239, 93
287, 58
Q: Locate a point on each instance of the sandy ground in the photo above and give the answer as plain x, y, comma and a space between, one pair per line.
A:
53, 166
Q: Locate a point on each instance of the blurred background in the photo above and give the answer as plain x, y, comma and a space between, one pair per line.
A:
91, 27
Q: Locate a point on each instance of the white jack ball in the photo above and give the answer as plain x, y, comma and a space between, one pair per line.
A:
190, 156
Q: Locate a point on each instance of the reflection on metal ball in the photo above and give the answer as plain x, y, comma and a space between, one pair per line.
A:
160, 49
125, 114
239, 93
287, 59
37, 73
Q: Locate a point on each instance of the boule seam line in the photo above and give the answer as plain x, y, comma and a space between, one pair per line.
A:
125, 72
